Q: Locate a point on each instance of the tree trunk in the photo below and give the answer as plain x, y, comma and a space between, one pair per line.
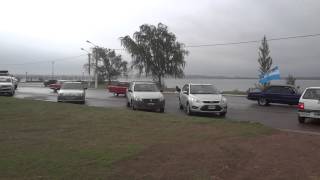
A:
159, 80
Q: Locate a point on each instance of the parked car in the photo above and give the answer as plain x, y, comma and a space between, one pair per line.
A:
15, 82
118, 88
7, 85
202, 98
283, 94
56, 86
50, 81
309, 104
72, 92
145, 95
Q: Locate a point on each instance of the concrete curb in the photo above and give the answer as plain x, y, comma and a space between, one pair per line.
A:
301, 132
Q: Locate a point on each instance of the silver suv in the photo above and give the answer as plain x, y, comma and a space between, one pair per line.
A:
145, 95
202, 98
7, 85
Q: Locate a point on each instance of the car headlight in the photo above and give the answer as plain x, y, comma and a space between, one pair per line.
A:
195, 99
223, 100
137, 98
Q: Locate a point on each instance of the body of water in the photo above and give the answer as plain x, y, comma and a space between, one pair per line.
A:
230, 84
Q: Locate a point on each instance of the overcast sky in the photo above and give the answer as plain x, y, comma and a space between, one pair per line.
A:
34, 32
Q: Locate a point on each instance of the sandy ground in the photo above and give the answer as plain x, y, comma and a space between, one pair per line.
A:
278, 156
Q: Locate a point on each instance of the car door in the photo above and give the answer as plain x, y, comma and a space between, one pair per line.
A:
311, 99
288, 96
272, 94
184, 95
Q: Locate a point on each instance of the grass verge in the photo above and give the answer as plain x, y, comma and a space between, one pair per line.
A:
68, 141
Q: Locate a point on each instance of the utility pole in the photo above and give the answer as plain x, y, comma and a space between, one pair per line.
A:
95, 55
89, 70
52, 69
89, 65
96, 68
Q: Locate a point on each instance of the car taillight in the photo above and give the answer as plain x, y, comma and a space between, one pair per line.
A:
301, 106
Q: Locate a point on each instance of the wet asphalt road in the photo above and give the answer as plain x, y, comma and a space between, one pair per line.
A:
239, 108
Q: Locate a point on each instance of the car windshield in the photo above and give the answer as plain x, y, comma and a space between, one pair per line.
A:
5, 80
312, 94
72, 86
146, 87
203, 89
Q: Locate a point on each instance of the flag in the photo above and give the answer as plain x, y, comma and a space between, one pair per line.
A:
274, 74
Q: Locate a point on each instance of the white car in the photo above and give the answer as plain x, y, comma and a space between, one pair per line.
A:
15, 82
309, 104
7, 85
72, 92
202, 98
145, 95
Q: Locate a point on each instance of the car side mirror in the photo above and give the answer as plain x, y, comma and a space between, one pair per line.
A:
129, 90
185, 92
178, 89
85, 88
161, 90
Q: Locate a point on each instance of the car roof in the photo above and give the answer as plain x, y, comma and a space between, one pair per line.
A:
200, 84
72, 82
313, 88
281, 85
143, 82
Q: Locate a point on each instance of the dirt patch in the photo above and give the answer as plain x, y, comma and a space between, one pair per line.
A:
278, 156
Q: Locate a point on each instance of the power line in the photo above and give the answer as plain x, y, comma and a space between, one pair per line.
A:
253, 41
47, 61
188, 46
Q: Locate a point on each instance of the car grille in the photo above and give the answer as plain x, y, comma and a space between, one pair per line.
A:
150, 100
6, 87
205, 108
211, 102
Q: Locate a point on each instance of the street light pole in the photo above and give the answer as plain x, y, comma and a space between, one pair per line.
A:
96, 63
89, 64
52, 69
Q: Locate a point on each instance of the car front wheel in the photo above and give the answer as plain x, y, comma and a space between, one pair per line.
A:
301, 119
132, 106
188, 110
263, 101
180, 105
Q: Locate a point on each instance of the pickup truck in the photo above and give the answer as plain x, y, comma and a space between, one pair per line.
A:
118, 88
282, 94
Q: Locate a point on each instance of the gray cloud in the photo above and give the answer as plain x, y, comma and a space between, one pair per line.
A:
194, 22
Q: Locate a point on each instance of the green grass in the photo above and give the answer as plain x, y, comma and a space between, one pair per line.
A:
63, 141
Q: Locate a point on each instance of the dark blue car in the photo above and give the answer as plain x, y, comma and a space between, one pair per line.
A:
275, 94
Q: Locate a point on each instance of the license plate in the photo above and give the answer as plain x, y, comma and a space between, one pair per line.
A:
150, 104
211, 107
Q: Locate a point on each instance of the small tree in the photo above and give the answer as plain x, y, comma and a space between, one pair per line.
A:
156, 52
108, 65
291, 80
265, 61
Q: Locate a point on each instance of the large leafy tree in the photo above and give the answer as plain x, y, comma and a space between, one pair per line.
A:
265, 60
156, 52
108, 64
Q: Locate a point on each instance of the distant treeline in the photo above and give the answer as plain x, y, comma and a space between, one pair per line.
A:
35, 77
